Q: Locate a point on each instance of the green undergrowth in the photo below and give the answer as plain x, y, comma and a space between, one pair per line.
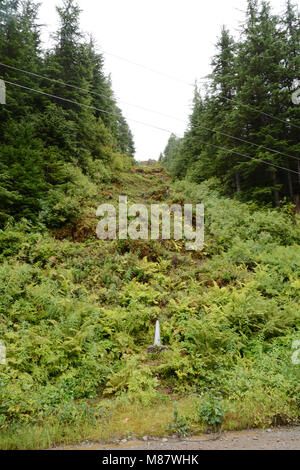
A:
77, 315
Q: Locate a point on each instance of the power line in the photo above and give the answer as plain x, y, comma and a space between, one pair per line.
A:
205, 79
248, 142
171, 77
59, 82
148, 125
165, 75
153, 111
247, 156
85, 105
262, 112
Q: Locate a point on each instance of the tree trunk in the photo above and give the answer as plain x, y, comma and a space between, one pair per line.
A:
276, 193
296, 200
238, 182
290, 183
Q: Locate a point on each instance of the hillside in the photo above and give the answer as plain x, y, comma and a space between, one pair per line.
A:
77, 316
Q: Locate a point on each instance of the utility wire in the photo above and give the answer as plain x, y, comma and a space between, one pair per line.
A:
59, 82
167, 76
148, 125
171, 77
205, 79
248, 142
262, 112
155, 112
247, 156
85, 105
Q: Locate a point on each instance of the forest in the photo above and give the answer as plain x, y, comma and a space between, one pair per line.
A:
48, 163
244, 126
78, 314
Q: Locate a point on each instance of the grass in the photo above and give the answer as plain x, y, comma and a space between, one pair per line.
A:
134, 421
77, 315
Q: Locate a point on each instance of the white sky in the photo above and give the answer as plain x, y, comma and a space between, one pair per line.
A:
176, 37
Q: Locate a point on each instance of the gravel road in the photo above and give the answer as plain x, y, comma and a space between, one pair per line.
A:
285, 438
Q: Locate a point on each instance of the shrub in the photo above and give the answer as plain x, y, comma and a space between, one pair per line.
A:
180, 425
212, 411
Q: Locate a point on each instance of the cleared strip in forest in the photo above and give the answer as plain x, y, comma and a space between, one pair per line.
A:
278, 152
145, 124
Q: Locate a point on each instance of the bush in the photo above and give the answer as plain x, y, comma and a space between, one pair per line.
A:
180, 425
212, 411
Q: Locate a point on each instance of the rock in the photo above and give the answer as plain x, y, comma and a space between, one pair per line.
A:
269, 430
145, 438
123, 441
156, 349
165, 439
175, 260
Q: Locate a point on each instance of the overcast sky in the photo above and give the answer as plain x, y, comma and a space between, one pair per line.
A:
175, 37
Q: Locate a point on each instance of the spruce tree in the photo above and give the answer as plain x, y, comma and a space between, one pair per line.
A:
246, 124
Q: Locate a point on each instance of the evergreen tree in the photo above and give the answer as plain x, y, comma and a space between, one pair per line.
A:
291, 82
19, 47
47, 145
125, 142
169, 156
21, 163
248, 111
258, 87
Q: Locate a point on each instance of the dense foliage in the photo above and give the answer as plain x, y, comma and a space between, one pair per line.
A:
77, 317
52, 151
77, 314
246, 119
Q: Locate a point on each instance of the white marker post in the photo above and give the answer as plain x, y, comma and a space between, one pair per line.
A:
157, 346
157, 334
2, 353
2, 92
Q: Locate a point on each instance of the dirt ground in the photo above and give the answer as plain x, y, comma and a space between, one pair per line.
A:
285, 438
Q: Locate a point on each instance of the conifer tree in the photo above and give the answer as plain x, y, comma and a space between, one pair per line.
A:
47, 144
247, 122
19, 47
